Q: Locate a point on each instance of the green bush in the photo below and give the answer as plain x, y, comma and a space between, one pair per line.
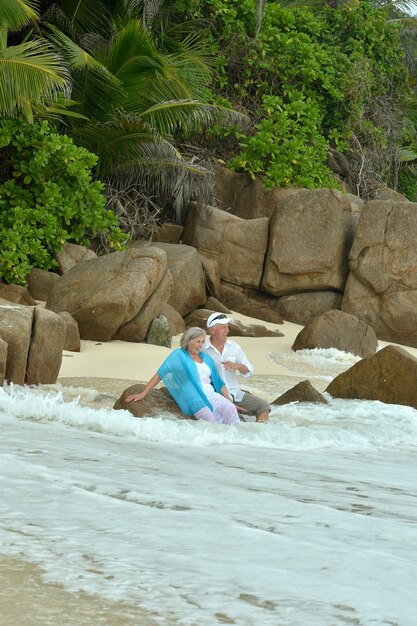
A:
287, 148
313, 78
47, 198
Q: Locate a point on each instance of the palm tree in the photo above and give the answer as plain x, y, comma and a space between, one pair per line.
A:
135, 100
32, 72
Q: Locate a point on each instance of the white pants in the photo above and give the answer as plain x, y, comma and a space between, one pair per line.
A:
224, 411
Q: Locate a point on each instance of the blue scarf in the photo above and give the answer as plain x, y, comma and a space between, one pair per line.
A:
180, 376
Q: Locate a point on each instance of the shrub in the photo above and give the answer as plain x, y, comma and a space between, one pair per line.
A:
47, 197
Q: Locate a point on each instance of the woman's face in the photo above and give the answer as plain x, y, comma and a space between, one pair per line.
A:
195, 345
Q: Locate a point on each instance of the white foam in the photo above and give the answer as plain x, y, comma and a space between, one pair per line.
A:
309, 519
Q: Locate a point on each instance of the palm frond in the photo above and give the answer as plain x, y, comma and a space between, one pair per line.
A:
84, 15
16, 13
96, 89
408, 6
123, 142
30, 72
131, 46
189, 115
171, 183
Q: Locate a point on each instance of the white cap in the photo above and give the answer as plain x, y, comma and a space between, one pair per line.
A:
218, 318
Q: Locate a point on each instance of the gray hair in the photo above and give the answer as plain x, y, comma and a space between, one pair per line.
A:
189, 335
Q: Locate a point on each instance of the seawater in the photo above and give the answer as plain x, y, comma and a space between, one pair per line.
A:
308, 520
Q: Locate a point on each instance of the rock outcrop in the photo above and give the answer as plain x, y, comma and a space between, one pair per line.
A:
336, 329
232, 248
382, 286
35, 339
310, 237
238, 194
40, 283
106, 292
189, 289
302, 392
46, 345
71, 254
389, 376
156, 402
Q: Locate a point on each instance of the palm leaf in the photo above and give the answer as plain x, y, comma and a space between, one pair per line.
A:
16, 13
190, 115
96, 89
29, 73
130, 47
121, 143
84, 15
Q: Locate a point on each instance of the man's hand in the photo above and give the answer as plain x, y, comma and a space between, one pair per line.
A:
230, 365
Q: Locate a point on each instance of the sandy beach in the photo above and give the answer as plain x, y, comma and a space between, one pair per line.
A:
111, 367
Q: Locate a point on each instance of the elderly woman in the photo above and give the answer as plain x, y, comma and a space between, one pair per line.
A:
192, 379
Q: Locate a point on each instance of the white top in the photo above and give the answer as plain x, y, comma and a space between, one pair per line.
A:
205, 378
231, 352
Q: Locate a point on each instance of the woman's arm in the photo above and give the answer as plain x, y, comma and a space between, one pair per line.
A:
140, 396
225, 393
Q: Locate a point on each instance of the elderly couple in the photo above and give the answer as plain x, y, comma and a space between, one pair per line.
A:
201, 376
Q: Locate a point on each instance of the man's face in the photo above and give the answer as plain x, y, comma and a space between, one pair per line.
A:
219, 332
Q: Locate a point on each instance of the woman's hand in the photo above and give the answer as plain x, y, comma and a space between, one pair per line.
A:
136, 397
240, 409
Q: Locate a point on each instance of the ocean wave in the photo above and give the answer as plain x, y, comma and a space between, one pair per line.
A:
299, 426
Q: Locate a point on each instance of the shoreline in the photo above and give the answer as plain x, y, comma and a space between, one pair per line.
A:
110, 367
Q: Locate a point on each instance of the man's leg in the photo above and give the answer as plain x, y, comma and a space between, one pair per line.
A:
255, 406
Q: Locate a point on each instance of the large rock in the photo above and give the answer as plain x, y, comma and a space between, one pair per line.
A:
236, 244
45, 353
159, 333
157, 402
40, 283
382, 286
16, 294
16, 330
310, 237
302, 308
168, 233
71, 254
302, 392
247, 198
3, 360
336, 329
189, 290
136, 329
72, 332
105, 293
389, 376
175, 321
237, 300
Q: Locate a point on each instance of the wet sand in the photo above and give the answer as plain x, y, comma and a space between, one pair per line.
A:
26, 599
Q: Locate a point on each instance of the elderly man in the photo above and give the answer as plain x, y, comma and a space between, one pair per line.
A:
230, 358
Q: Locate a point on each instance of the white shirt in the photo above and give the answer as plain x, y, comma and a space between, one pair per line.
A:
231, 352
205, 378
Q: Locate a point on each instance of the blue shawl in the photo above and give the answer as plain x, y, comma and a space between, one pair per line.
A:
180, 376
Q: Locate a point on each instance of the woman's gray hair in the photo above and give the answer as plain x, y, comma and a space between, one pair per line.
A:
189, 335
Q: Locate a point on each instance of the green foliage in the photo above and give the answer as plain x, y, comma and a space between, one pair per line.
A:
47, 197
313, 78
287, 147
